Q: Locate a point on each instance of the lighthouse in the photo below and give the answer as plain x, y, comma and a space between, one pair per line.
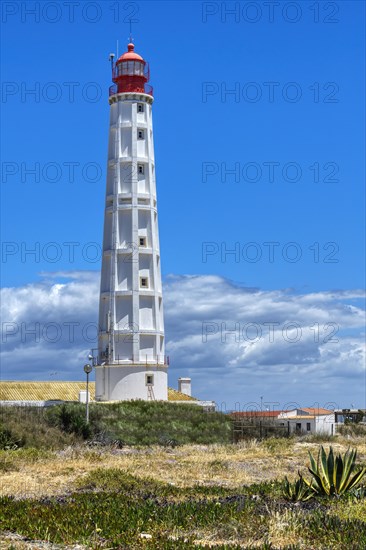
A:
131, 357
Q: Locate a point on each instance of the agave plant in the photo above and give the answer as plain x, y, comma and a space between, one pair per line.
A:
334, 475
297, 491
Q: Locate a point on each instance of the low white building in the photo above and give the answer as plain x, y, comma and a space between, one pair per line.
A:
309, 420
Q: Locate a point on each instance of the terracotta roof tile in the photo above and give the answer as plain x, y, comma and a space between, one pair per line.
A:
316, 411
260, 414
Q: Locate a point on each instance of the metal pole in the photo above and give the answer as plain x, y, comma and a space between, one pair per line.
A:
87, 369
87, 398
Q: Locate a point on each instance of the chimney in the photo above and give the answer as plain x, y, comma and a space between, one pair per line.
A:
184, 386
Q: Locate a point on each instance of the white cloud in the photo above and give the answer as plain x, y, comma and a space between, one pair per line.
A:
236, 343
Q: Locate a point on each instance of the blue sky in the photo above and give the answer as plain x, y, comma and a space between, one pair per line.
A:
298, 77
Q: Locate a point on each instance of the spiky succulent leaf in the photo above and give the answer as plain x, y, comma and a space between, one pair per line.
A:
323, 470
297, 491
332, 475
330, 463
317, 470
348, 466
317, 482
312, 461
356, 479
338, 471
310, 484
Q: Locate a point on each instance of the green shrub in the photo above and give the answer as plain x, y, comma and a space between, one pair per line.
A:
125, 423
30, 429
70, 418
158, 423
352, 430
9, 440
318, 438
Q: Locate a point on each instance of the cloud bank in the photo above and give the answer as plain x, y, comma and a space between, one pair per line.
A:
238, 344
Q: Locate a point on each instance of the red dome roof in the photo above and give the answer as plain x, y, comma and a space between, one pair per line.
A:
130, 55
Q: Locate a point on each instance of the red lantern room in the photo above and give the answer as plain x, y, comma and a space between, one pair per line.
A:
130, 74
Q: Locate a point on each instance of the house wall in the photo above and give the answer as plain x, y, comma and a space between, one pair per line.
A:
298, 425
309, 425
326, 424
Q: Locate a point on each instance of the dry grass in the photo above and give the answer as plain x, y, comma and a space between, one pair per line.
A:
55, 472
18, 542
284, 528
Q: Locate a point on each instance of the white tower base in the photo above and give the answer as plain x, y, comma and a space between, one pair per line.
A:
123, 383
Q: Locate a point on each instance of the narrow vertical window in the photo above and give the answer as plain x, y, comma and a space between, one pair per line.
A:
144, 282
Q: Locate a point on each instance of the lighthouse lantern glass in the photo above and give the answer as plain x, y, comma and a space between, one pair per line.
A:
131, 68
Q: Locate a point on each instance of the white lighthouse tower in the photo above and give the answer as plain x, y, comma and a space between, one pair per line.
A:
131, 360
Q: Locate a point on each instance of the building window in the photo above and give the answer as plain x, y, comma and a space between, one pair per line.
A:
308, 426
140, 168
140, 134
298, 427
142, 241
144, 282
140, 108
149, 379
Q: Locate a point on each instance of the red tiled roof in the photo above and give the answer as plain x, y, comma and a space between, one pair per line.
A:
314, 410
260, 414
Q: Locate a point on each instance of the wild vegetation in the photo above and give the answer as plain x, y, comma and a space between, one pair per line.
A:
104, 493
128, 423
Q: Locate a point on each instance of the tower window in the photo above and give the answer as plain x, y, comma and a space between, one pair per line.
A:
140, 108
142, 241
140, 134
140, 168
144, 282
149, 379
